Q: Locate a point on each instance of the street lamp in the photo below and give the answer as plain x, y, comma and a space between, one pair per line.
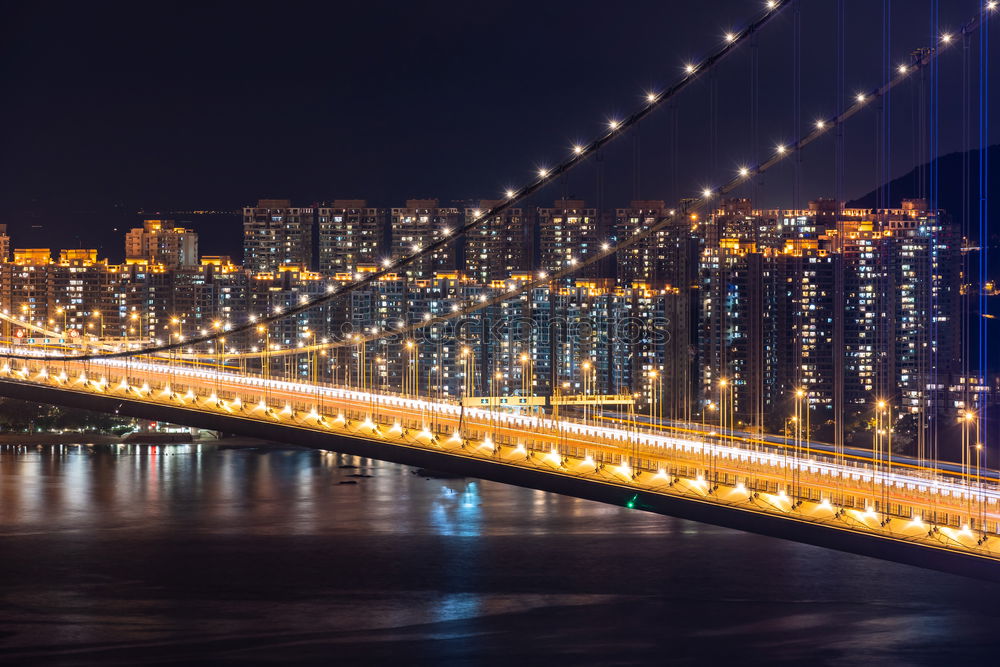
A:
588, 376
360, 358
312, 362
526, 371
885, 412
468, 371
411, 381
380, 371
883, 426
266, 365
970, 439
495, 389
724, 412
979, 482
710, 406
653, 386
800, 439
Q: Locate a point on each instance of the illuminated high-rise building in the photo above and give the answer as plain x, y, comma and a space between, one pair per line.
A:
668, 256
417, 225
351, 235
846, 307
4, 244
499, 246
277, 234
162, 242
569, 232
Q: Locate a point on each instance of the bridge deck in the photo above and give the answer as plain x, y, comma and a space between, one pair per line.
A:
940, 513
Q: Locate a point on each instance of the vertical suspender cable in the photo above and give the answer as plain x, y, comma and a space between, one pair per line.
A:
756, 390
636, 162
984, 236
965, 294
933, 283
796, 190
796, 95
839, 353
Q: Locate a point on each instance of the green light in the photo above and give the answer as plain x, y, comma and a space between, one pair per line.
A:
631, 501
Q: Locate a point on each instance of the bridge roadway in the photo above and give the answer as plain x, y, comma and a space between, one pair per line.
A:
811, 447
930, 518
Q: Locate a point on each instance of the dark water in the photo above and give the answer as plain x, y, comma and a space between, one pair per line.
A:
194, 554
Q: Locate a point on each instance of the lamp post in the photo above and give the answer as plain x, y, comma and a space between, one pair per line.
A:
965, 421
586, 371
467, 357
266, 365
411, 382
218, 352
883, 433
376, 372
360, 359
174, 353
495, 384
723, 411
653, 387
311, 360
361, 374
971, 442
132, 318
709, 407
979, 484
495, 379
526, 379
800, 394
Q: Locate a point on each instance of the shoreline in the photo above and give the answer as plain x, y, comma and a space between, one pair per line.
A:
94, 438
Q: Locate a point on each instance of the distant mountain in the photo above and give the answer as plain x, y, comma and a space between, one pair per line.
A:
949, 187
950, 199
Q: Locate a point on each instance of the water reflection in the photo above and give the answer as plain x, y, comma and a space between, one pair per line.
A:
457, 513
231, 549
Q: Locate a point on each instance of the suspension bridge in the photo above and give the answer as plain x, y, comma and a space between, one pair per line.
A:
589, 444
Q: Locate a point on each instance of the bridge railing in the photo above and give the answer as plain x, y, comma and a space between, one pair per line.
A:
642, 452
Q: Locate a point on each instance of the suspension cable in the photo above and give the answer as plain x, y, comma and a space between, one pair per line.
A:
579, 154
922, 59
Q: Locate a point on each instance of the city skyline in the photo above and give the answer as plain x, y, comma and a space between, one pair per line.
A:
712, 288
491, 333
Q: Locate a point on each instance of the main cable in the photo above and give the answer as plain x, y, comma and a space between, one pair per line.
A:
579, 155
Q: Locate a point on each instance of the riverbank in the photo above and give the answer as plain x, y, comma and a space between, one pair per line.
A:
93, 438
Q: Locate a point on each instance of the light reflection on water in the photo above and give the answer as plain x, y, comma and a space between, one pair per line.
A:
457, 512
202, 548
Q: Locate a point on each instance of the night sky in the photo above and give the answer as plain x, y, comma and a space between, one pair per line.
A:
111, 109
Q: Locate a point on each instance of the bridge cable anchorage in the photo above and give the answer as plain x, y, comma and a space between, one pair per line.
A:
579, 154
821, 127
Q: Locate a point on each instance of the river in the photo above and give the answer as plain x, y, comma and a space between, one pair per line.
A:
180, 554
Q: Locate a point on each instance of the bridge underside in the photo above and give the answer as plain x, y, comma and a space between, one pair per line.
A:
685, 508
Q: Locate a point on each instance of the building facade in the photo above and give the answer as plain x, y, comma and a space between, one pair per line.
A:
277, 235
351, 235
162, 242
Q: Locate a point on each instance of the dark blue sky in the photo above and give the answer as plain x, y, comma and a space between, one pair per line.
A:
211, 105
